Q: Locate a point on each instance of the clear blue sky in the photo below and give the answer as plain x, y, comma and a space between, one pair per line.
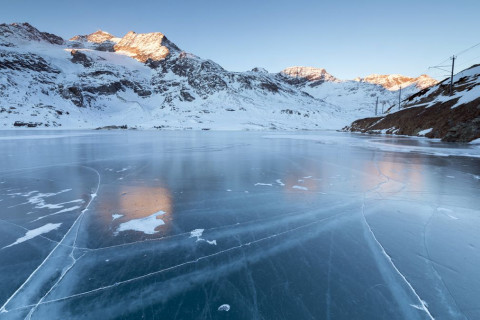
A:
347, 37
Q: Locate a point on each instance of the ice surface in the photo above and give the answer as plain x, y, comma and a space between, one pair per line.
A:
382, 232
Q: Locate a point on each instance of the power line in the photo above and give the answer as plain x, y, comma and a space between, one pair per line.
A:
440, 66
463, 51
469, 61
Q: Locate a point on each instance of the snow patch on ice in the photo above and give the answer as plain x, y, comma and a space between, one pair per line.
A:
146, 225
38, 200
35, 233
224, 307
263, 184
197, 233
300, 188
280, 182
116, 216
58, 212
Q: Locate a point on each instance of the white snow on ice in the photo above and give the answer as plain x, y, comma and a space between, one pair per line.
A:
197, 233
224, 307
35, 232
300, 188
116, 216
146, 225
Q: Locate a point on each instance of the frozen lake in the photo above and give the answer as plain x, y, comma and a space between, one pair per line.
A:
237, 225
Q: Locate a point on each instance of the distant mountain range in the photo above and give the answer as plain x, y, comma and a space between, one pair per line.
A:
146, 81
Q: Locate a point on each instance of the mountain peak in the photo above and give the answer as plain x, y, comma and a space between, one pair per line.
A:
394, 82
309, 73
143, 46
11, 33
98, 36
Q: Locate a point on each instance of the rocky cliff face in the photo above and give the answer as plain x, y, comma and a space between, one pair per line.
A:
393, 82
434, 113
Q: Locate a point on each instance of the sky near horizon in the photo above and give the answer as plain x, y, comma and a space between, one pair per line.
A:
349, 38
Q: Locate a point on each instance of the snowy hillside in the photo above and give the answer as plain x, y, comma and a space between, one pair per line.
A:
146, 81
434, 113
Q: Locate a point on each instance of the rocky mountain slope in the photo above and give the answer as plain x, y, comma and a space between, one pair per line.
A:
146, 81
434, 113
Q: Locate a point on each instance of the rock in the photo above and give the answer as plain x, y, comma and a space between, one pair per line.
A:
260, 70
81, 58
113, 127
27, 124
464, 132
21, 62
73, 94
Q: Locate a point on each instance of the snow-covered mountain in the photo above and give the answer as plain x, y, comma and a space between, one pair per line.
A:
394, 82
146, 81
359, 95
309, 74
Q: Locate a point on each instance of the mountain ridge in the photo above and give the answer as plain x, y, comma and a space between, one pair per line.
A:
145, 80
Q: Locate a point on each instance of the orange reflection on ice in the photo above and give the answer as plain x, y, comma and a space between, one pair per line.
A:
135, 202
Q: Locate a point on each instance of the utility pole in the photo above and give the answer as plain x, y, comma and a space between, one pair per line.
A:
451, 75
376, 107
383, 106
399, 97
